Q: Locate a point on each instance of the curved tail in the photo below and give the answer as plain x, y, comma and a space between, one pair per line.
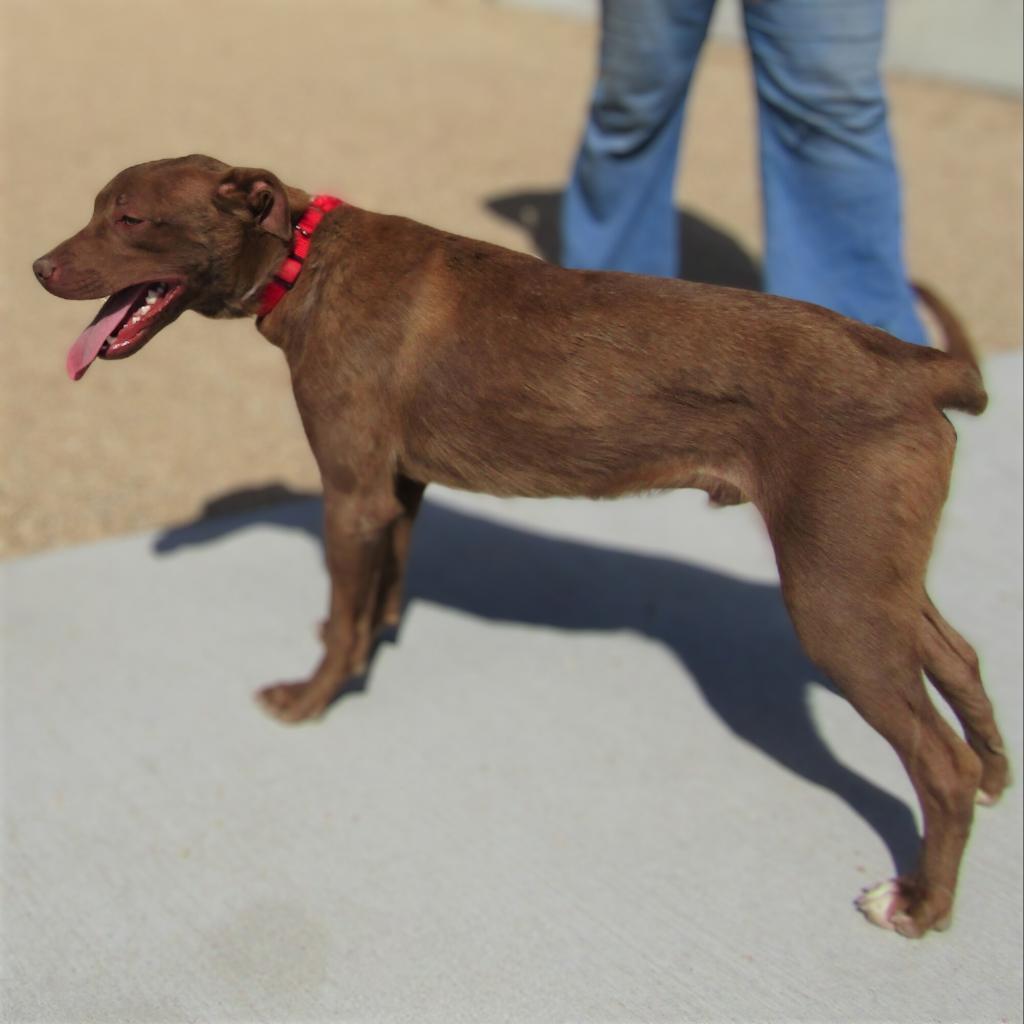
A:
960, 385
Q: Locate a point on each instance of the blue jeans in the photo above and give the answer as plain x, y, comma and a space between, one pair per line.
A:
832, 206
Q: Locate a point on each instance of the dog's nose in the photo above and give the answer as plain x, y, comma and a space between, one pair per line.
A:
44, 268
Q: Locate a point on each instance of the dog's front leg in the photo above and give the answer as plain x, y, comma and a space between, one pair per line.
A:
389, 606
358, 531
391, 588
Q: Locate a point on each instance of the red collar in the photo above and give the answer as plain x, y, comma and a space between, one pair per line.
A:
287, 274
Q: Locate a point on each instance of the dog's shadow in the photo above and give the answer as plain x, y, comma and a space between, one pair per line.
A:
706, 253
734, 636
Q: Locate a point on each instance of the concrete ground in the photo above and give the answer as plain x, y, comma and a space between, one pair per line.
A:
593, 781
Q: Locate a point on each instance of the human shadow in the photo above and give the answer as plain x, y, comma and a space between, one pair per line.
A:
707, 253
734, 636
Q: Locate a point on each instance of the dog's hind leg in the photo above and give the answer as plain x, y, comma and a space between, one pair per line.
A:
873, 663
852, 546
951, 663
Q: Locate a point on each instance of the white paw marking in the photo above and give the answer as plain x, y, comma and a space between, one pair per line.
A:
877, 904
985, 799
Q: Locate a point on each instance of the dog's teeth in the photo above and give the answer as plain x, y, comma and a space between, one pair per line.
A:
144, 309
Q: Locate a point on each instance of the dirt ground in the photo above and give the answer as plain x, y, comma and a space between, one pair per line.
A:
456, 112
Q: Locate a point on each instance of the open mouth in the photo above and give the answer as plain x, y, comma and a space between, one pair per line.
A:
127, 320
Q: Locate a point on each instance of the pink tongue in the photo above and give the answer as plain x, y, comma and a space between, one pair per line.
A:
88, 344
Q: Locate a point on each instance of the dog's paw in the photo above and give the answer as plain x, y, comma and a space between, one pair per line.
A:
890, 906
880, 904
292, 702
984, 799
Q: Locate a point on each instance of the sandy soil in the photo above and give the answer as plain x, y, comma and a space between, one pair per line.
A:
456, 112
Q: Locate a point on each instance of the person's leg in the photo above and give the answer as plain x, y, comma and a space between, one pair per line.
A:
832, 205
617, 213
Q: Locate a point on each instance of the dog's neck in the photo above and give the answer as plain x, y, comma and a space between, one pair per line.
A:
283, 279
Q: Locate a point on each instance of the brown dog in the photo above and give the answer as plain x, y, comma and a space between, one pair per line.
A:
420, 356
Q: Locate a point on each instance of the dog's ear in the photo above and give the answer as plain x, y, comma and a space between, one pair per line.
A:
258, 196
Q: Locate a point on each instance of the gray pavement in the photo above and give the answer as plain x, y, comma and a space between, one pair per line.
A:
593, 781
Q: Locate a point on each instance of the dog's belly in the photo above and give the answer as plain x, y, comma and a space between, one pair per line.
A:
581, 462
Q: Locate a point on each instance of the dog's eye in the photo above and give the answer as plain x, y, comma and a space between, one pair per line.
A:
130, 221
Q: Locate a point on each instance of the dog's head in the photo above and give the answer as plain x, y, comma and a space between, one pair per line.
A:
166, 236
